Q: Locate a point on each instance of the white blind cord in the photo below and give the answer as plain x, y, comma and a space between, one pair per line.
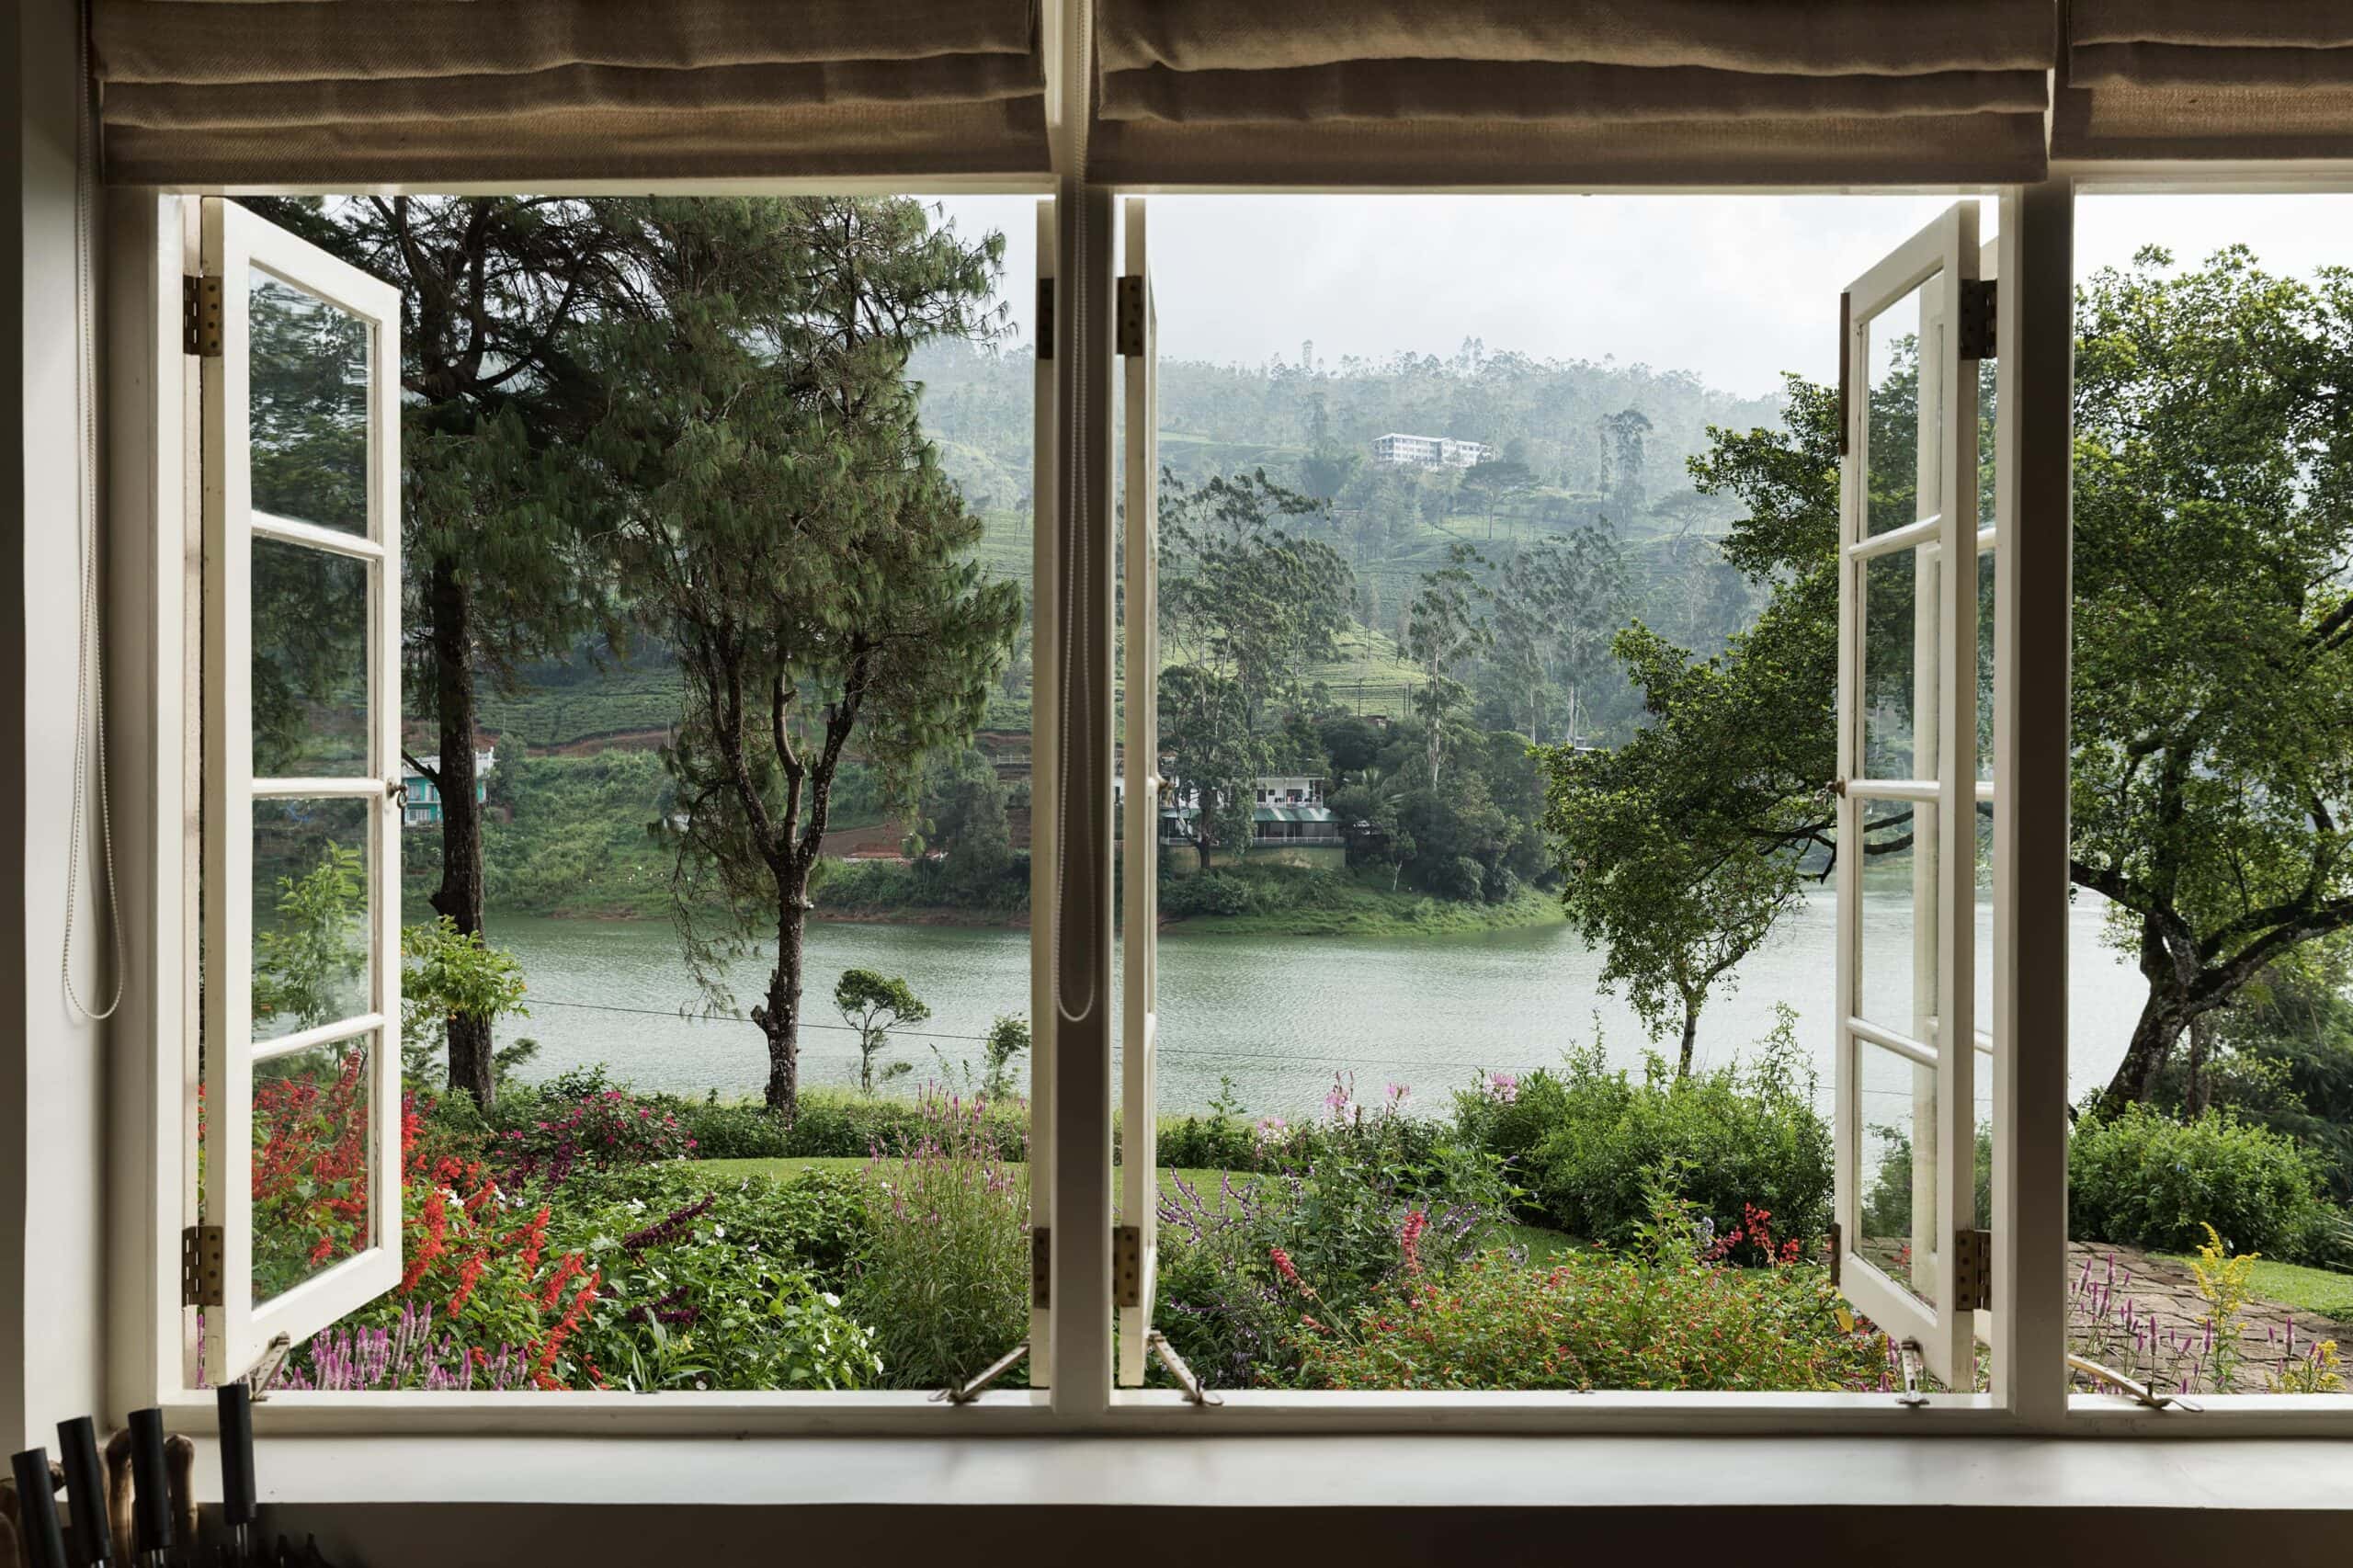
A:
89, 668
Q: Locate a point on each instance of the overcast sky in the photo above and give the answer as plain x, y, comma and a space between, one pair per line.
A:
1737, 289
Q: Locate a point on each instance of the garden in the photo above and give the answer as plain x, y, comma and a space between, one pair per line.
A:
1572, 1229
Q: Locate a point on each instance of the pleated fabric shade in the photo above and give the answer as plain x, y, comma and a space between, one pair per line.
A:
348, 91
1603, 91
2206, 79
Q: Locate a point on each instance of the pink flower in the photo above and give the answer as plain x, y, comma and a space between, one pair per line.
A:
1503, 1087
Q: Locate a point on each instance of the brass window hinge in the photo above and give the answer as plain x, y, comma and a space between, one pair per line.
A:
201, 1267
1980, 299
1131, 315
200, 316
1972, 1271
1041, 1265
1127, 1266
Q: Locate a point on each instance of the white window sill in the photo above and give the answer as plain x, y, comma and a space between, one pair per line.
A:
1317, 1471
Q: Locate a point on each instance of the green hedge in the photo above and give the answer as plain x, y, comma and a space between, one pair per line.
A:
1586, 1140
2143, 1179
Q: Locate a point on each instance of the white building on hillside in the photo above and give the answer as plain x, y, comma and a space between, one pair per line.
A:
1430, 452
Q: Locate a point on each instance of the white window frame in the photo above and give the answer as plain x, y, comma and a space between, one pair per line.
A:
1934, 265
239, 248
1073, 1376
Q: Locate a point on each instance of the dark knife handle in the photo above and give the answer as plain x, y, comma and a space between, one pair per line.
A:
36, 1511
85, 1491
151, 1484
237, 1498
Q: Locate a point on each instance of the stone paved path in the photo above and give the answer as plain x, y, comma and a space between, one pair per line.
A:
2142, 1315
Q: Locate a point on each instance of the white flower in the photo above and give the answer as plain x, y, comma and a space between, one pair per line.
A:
831, 1300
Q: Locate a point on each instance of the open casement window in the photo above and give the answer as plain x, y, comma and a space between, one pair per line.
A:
1137, 1255
300, 464
1909, 1254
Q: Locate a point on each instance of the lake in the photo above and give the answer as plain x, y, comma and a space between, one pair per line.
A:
1276, 1015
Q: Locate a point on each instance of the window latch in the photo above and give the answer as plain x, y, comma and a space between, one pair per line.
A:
1914, 1362
2140, 1394
972, 1388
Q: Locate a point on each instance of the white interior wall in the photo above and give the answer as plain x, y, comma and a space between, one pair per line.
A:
52, 1183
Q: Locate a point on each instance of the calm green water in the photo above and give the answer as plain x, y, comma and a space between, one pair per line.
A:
1280, 1015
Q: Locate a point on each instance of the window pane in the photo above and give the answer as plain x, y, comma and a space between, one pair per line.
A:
1985, 665
311, 904
1899, 710
1896, 1164
312, 1159
1986, 828
309, 408
310, 668
1898, 961
1901, 445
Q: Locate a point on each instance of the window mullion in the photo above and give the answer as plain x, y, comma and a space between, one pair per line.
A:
2032, 646
1082, 1015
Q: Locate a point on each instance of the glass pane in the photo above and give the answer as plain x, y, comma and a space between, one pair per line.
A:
1901, 447
1989, 378
310, 669
311, 1162
1896, 1164
1897, 970
309, 408
1985, 665
310, 913
1899, 707
1984, 919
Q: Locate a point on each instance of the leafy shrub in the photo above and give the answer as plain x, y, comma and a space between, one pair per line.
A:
607, 1130
309, 1167
720, 1285
1375, 1199
1460, 878
1210, 894
451, 972
943, 1275
1602, 1321
641, 1279
843, 1126
1746, 1133
2143, 1179
730, 1130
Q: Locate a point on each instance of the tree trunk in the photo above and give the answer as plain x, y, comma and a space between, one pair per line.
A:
780, 1017
1690, 1034
460, 894
2157, 1030
1202, 847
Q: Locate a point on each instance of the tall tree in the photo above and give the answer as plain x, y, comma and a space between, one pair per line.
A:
779, 512
1212, 752
1244, 607
2213, 712
1557, 605
498, 567
2213, 632
1445, 625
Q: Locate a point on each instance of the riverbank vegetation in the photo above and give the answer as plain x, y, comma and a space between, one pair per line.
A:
582, 1235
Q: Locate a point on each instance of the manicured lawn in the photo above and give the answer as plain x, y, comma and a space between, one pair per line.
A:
2317, 1291
1541, 1244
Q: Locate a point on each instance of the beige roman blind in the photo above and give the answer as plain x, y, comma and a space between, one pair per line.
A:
326, 91
2206, 79
1606, 91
